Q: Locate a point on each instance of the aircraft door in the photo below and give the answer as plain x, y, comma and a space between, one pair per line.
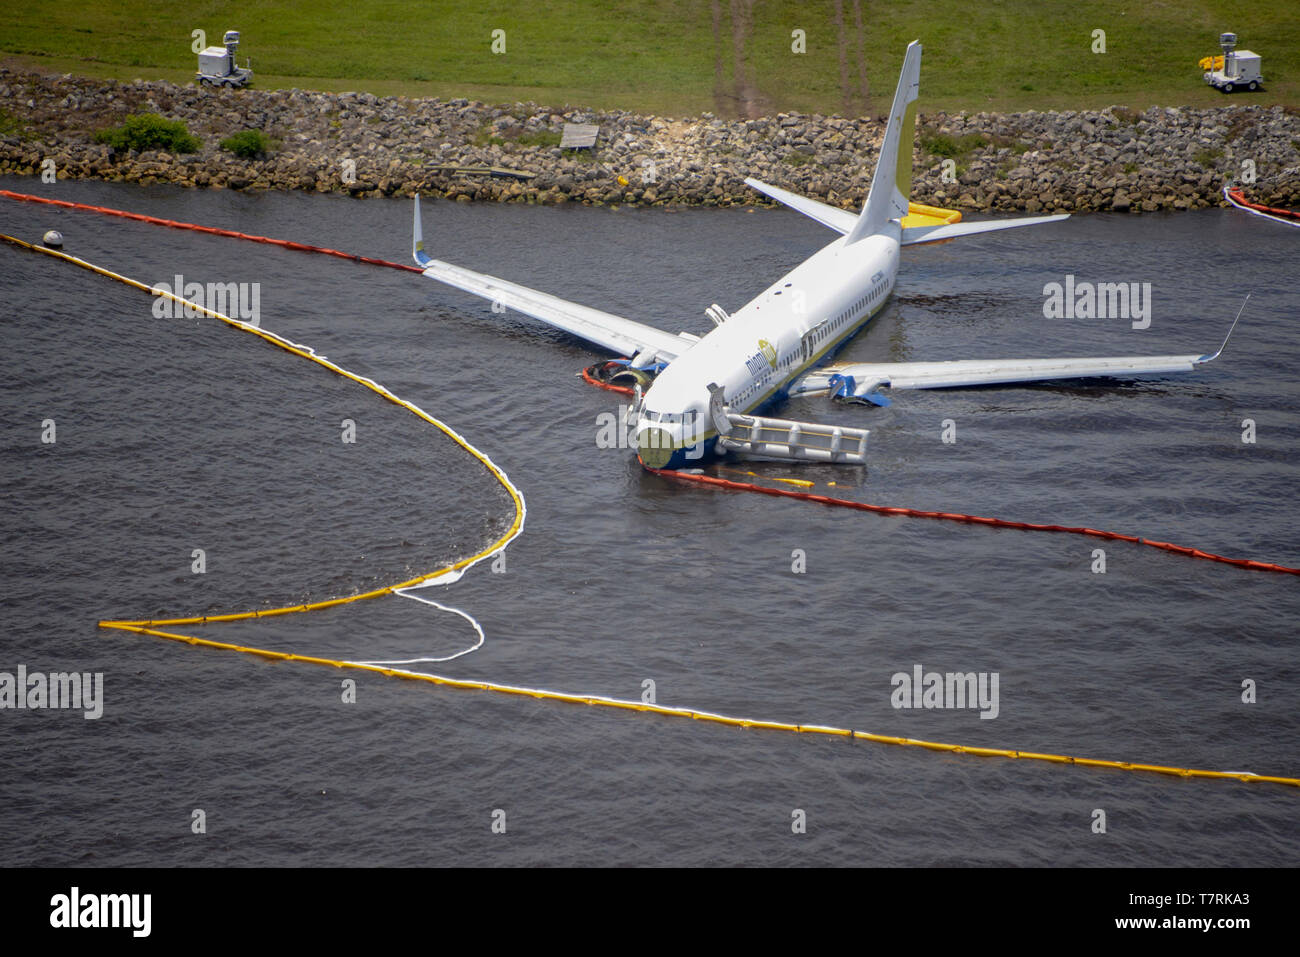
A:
807, 347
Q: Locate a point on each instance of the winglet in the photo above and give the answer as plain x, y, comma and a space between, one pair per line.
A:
422, 258
1229, 335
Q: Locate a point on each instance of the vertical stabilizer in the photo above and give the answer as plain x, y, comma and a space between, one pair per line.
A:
891, 184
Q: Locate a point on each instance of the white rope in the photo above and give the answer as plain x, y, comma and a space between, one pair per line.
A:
1258, 212
447, 578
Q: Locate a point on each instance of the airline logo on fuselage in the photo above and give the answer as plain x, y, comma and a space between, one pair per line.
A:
766, 354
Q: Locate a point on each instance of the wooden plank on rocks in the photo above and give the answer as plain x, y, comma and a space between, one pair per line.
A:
579, 136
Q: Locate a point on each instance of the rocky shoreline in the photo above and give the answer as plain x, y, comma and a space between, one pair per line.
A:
365, 145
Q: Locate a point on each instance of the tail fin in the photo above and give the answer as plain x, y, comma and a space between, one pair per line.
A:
892, 182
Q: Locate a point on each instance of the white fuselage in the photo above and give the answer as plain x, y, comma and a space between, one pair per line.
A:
790, 327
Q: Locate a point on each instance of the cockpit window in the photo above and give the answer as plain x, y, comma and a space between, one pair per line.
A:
670, 418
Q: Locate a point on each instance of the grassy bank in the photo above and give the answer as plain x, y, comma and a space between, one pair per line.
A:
678, 57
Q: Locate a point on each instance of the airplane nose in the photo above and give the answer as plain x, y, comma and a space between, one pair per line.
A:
655, 447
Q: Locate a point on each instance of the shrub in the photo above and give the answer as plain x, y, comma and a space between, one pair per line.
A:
247, 143
542, 138
1209, 159
149, 131
940, 144
11, 125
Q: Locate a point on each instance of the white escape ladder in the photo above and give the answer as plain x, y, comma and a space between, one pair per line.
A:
757, 436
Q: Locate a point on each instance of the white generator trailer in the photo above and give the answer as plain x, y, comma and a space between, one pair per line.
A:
217, 64
1233, 70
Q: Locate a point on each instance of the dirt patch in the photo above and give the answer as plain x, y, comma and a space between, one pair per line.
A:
742, 97
853, 89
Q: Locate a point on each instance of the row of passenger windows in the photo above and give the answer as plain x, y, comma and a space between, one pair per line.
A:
825, 330
822, 333
755, 387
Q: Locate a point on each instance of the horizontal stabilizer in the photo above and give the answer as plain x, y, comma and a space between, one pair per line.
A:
840, 220
931, 234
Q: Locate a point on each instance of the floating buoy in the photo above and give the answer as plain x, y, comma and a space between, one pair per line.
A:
53, 238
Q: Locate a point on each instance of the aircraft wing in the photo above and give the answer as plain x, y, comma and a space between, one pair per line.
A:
624, 336
861, 379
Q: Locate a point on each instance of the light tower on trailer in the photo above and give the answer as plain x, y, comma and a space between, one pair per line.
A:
217, 64
1239, 68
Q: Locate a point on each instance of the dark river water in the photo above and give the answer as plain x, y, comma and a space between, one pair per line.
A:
181, 434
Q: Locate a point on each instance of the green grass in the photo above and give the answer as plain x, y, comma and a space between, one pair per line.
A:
11, 125
659, 55
516, 134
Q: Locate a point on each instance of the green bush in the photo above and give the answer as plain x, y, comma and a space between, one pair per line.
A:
149, 131
539, 138
247, 143
940, 144
1209, 159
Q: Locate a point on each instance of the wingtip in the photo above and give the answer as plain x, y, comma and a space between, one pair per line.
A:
1219, 352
